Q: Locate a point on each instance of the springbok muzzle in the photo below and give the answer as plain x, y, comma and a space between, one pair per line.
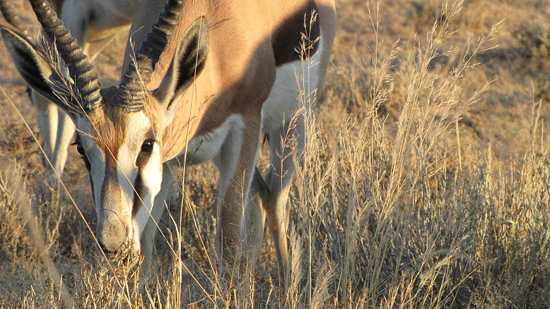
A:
112, 235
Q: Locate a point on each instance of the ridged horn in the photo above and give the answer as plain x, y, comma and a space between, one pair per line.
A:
13, 19
132, 92
80, 68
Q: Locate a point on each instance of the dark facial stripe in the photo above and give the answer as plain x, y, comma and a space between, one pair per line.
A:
92, 184
142, 159
138, 187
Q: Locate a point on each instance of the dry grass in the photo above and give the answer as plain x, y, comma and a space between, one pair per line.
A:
425, 181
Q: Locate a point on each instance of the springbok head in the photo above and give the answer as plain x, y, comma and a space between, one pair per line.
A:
119, 129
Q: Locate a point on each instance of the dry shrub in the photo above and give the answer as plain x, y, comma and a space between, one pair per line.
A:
14, 241
401, 213
535, 38
392, 204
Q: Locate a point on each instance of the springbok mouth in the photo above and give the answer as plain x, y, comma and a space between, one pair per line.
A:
120, 266
124, 256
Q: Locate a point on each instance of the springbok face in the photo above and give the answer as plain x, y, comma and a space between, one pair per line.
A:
125, 134
124, 160
119, 129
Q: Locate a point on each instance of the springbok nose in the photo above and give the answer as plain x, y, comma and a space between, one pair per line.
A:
111, 234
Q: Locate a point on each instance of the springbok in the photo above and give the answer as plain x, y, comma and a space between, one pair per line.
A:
210, 77
93, 23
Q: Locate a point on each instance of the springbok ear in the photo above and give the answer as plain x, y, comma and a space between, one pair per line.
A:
32, 67
187, 63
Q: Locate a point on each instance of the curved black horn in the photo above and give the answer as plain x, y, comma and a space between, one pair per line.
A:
132, 93
13, 19
80, 68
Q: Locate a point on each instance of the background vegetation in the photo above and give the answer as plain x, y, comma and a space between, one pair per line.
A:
425, 182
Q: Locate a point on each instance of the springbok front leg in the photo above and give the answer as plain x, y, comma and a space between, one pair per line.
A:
46, 115
236, 163
151, 220
57, 130
65, 134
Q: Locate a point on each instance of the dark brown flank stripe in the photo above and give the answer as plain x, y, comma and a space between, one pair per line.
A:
79, 143
137, 195
288, 37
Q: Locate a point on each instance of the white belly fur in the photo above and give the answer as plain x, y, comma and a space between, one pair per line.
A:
293, 82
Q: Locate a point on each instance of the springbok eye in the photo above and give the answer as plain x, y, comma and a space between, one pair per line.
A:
147, 146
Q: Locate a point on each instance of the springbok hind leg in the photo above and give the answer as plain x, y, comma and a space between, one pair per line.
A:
255, 218
286, 144
255, 224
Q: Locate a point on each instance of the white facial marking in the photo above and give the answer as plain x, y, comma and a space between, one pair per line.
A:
151, 178
127, 172
150, 174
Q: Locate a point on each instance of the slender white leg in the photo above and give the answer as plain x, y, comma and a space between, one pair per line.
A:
65, 133
255, 218
46, 114
236, 162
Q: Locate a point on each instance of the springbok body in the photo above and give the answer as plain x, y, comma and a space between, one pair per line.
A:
207, 81
93, 23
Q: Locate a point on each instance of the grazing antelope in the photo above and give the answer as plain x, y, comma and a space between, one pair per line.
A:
93, 23
210, 77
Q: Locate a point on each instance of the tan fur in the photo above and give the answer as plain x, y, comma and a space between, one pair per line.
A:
239, 70
236, 80
250, 42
